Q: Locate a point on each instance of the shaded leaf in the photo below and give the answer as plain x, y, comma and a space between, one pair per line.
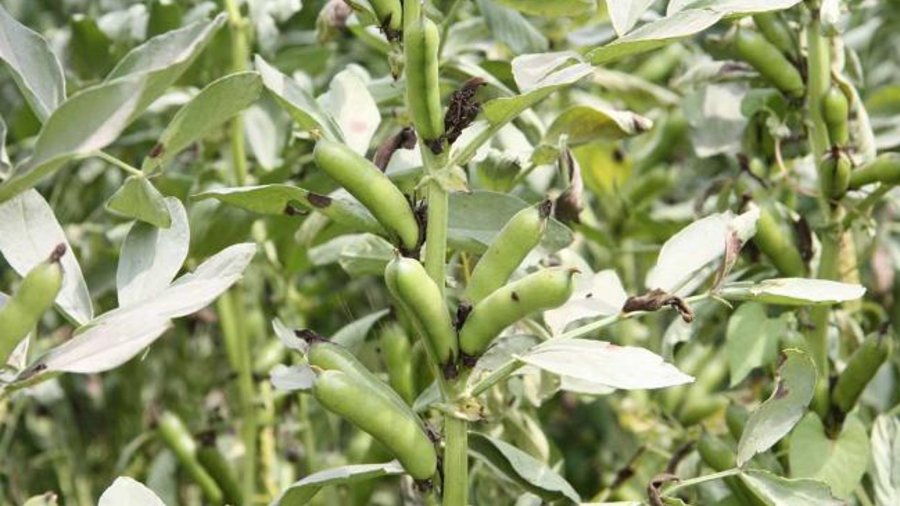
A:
213, 106
304, 490
751, 340
281, 199
352, 335
598, 122
367, 255
775, 417
521, 468
299, 103
93, 118
34, 67
774, 490
552, 9
511, 28
28, 233
477, 217
137, 198
840, 462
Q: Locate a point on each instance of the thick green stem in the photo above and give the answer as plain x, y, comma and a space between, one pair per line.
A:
238, 341
456, 470
240, 56
819, 80
237, 346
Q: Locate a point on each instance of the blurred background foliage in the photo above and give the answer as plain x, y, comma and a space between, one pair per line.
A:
75, 434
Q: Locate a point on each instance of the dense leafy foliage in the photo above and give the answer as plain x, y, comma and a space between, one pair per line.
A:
447, 251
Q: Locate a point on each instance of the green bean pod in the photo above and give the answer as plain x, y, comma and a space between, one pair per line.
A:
834, 174
860, 370
402, 435
836, 113
769, 61
390, 15
507, 251
397, 353
23, 310
721, 457
776, 31
540, 291
330, 356
422, 42
215, 463
884, 169
179, 440
371, 187
411, 286
773, 240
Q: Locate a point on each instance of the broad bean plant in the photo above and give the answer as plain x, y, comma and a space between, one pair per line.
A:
449, 252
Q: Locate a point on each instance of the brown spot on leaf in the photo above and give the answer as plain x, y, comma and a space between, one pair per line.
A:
319, 200
515, 296
781, 391
156, 151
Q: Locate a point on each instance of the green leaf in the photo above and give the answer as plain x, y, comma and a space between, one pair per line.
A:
656, 34
34, 67
94, 118
368, 255
774, 490
29, 231
794, 291
537, 76
511, 28
521, 468
299, 103
751, 339
281, 199
477, 217
126, 490
212, 107
775, 417
840, 462
599, 122
885, 469
352, 335
151, 257
304, 490
555, 8
137, 198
